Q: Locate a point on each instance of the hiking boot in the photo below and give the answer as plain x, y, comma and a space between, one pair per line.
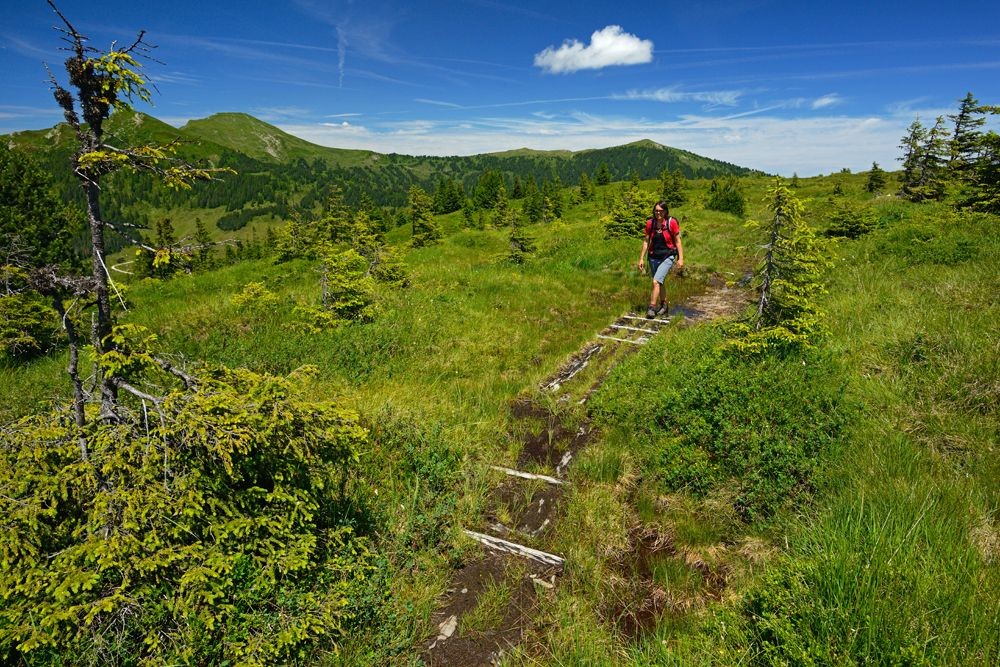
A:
662, 310
651, 313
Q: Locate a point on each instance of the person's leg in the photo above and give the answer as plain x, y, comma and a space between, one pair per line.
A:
654, 296
654, 267
659, 291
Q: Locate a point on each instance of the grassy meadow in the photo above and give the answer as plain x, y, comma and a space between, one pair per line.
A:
833, 506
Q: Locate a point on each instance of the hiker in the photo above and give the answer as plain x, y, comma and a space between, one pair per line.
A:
662, 241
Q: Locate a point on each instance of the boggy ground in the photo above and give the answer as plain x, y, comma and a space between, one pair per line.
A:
491, 604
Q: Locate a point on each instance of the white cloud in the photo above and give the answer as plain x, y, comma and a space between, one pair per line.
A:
609, 46
669, 95
805, 145
830, 100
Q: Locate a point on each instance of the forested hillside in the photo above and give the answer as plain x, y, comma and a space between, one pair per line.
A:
275, 173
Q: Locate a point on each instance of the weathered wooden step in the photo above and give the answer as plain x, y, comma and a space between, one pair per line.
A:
528, 475
641, 341
506, 546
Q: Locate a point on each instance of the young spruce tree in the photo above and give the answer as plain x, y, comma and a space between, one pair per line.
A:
789, 280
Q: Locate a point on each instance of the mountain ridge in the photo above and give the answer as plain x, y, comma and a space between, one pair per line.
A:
250, 136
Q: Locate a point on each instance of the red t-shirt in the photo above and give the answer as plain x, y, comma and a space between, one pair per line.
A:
662, 245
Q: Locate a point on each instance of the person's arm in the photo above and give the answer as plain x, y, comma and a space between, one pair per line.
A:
642, 255
680, 252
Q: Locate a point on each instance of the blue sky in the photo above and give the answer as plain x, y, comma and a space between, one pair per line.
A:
780, 86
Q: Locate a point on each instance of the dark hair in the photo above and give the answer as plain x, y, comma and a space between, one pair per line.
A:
666, 214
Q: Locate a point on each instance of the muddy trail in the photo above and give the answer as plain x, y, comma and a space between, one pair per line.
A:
492, 603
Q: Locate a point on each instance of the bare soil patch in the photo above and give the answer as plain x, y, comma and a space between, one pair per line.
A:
531, 516
474, 647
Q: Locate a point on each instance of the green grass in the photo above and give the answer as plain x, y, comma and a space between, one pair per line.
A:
886, 552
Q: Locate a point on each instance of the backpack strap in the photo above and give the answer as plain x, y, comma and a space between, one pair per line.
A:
673, 237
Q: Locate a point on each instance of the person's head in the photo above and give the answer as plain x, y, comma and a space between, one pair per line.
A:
661, 212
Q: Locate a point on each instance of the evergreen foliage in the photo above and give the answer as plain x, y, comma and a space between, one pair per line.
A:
425, 229
789, 280
36, 228
727, 197
603, 174
448, 196
488, 189
521, 243
876, 179
851, 220
629, 211
966, 137
587, 190
199, 533
673, 187
924, 159
28, 324
534, 201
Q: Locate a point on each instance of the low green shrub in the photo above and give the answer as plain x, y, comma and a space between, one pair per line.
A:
942, 239
28, 325
203, 528
760, 423
851, 220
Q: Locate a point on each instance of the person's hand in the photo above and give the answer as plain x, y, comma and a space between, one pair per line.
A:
642, 266
680, 263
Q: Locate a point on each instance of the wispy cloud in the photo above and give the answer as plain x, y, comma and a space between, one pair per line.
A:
806, 145
608, 46
671, 95
272, 114
341, 53
830, 100
438, 103
26, 48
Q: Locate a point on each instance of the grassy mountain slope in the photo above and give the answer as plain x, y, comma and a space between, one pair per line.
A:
242, 133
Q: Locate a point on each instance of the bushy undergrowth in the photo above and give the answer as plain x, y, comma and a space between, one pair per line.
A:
758, 424
939, 236
201, 529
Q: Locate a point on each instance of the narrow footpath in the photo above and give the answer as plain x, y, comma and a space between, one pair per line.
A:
491, 603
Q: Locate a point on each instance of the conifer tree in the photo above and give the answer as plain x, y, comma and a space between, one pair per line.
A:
876, 179
502, 209
966, 137
517, 191
104, 83
924, 153
203, 242
467, 214
603, 174
586, 187
673, 187
534, 201
629, 211
152, 521
789, 282
425, 229
552, 201
335, 221
521, 243
727, 197
487, 189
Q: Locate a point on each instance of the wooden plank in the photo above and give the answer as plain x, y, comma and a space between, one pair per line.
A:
528, 475
620, 340
498, 544
622, 326
651, 320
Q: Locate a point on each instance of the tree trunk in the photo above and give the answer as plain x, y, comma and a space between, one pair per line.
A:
102, 326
